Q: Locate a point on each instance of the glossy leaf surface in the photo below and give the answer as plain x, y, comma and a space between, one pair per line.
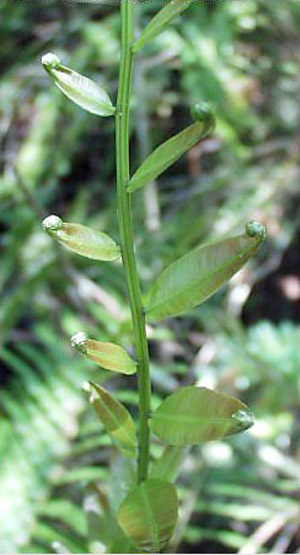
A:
167, 466
194, 415
160, 21
108, 355
82, 240
149, 513
168, 152
192, 279
82, 91
115, 418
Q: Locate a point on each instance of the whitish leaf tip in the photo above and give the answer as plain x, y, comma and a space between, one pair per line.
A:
79, 341
52, 223
86, 387
203, 112
244, 419
256, 229
50, 61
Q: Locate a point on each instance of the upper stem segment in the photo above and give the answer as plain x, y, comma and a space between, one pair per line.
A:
126, 235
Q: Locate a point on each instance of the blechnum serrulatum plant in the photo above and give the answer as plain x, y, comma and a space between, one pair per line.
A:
145, 518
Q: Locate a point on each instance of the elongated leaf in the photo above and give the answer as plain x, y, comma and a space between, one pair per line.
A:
192, 279
166, 467
81, 90
193, 415
82, 240
167, 153
108, 355
149, 513
114, 417
161, 20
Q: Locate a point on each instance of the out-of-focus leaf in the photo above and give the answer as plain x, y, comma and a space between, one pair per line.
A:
84, 474
108, 355
45, 533
193, 415
159, 21
114, 417
81, 90
67, 512
166, 467
104, 532
122, 478
149, 513
168, 152
192, 279
82, 240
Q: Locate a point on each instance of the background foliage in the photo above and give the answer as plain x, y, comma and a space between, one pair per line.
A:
237, 495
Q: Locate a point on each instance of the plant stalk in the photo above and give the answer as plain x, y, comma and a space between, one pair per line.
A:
126, 236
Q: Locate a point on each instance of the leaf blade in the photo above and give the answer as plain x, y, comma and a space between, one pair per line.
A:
168, 152
82, 91
159, 21
167, 466
149, 513
108, 355
193, 415
82, 240
192, 279
115, 418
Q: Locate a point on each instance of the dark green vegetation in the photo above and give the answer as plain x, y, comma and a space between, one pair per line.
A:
56, 158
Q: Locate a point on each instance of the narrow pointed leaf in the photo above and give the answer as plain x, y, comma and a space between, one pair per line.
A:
194, 415
167, 466
160, 21
82, 91
168, 152
149, 513
115, 418
82, 240
108, 355
192, 279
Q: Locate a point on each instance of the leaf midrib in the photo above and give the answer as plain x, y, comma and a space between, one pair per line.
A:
193, 283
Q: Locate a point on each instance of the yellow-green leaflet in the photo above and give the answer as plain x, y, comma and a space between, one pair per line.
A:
168, 152
82, 91
160, 21
82, 240
194, 415
108, 355
115, 418
192, 279
167, 466
148, 514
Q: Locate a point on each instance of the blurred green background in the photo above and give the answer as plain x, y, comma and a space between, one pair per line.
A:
239, 495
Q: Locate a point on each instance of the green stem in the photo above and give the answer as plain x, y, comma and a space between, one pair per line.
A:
126, 235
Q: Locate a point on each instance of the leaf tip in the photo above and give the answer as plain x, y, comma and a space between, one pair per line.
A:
256, 230
50, 61
86, 387
244, 419
52, 223
204, 113
79, 341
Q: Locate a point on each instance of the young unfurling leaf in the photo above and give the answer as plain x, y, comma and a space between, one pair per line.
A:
82, 239
192, 279
168, 152
108, 355
81, 90
115, 418
149, 513
160, 21
194, 415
